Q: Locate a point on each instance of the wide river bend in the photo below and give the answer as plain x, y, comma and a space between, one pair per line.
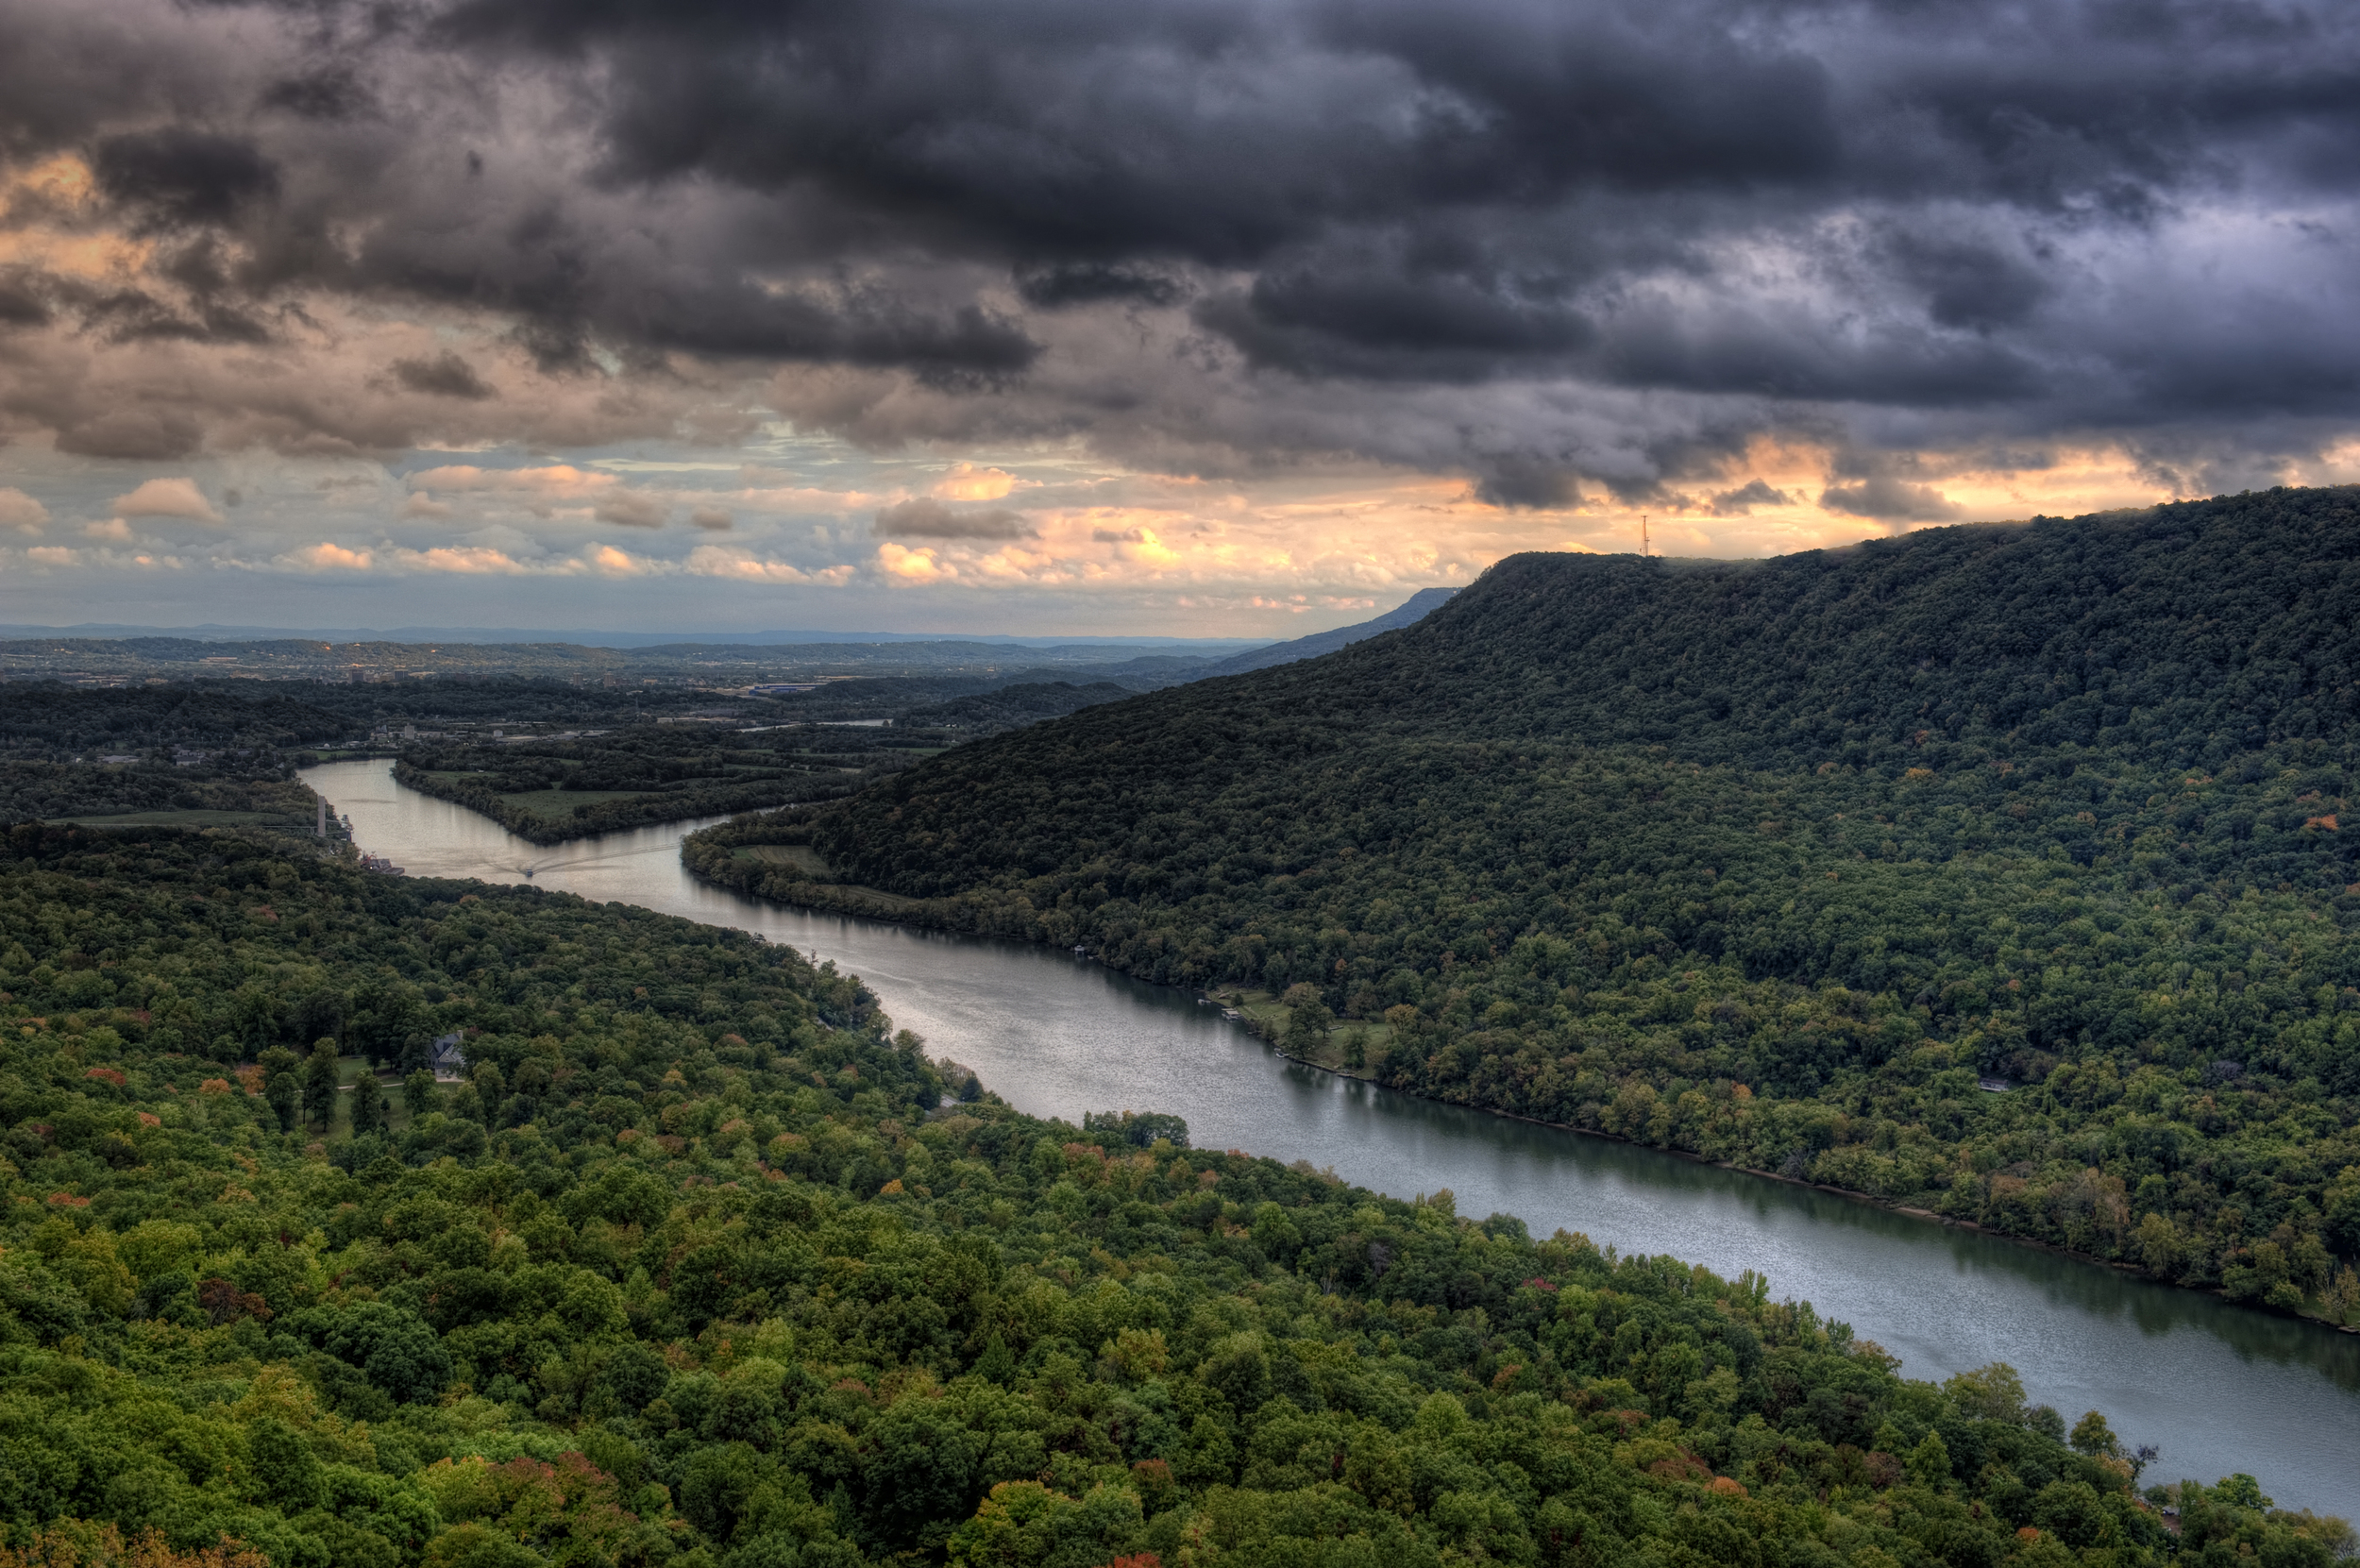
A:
2217, 1389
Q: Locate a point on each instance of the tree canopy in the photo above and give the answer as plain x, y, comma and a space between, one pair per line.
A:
702, 1266
1767, 861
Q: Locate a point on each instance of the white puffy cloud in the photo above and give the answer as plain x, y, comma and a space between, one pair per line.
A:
21, 511
743, 566
326, 556
173, 498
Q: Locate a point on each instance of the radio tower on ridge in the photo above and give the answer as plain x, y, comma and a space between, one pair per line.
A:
1644, 549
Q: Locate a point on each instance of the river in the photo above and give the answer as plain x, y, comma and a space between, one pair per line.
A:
2217, 1389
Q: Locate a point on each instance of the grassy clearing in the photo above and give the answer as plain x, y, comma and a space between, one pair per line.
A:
561, 803
1264, 1009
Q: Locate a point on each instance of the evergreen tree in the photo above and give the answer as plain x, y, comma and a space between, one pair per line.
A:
282, 1085
368, 1105
319, 1084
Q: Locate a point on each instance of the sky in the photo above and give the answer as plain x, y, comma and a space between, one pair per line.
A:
1177, 317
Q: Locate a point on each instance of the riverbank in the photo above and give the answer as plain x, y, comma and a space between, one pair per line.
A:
1268, 1019
1871, 1200
2222, 1389
550, 816
718, 857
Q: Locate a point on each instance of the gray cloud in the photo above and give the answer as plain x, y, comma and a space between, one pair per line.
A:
927, 518
1092, 282
446, 375
145, 434
1890, 500
633, 509
1742, 500
1552, 247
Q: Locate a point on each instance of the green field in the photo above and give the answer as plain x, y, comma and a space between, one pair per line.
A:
544, 802
1260, 1007
561, 803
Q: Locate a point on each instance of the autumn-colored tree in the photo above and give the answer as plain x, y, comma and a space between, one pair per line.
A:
78, 1543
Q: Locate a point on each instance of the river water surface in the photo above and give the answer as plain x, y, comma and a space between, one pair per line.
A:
2217, 1389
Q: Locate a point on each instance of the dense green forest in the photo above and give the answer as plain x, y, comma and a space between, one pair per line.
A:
1769, 862
38, 792
1013, 707
702, 1267
179, 750
45, 722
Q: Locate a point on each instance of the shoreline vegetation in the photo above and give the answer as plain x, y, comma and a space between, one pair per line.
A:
550, 818
740, 872
1775, 862
551, 789
699, 1264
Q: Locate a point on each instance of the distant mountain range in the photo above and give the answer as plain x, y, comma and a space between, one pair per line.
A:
1413, 610
946, 667
600, 639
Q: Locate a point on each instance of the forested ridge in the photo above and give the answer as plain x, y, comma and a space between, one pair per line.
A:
1770, 862
43, 721
702, 1267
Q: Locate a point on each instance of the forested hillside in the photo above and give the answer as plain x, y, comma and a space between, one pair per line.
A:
1770, 862
1013, 707
51, 724
702, 1268
180, 750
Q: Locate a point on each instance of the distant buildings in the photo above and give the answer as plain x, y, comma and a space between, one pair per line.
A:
449, 1063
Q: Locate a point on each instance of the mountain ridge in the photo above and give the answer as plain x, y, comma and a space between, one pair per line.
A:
1770, 862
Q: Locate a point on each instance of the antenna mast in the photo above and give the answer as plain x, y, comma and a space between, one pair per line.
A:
1644, 548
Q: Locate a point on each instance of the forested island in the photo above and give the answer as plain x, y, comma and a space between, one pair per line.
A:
1994, 871
699, 1264
549, 790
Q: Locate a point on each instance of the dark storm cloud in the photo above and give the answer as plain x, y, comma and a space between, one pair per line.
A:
1092, 282
1516, 479
1550, 244
330, 93
443, 375
24, 298
181, 176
